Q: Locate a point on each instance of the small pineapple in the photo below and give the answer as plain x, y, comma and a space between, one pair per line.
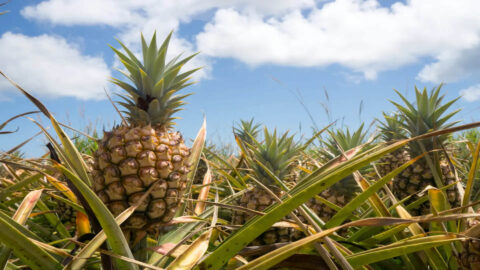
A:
66, 213
343, 191
276, 153
426, 115
145, 151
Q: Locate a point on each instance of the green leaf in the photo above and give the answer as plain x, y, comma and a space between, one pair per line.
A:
193, 253
401, 248
116, 238
347, 210
88, 250
193, 159
21, 216
28, 252
312, 185
17, 186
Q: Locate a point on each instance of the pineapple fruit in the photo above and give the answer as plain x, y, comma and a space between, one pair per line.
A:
276, 153
390, 131
469, 258
145, 151
343, 191
66, 213
426, 115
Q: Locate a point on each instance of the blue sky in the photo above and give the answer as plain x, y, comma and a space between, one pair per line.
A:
259, 57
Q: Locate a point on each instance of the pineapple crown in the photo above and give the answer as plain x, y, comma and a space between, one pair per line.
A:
339, 140
276, 153
427, 114
152, 98
390, 128
247, 131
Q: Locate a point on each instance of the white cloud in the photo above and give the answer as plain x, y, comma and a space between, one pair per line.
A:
358, 34
71, 12
361, 35
129, 12
133, 17
452, 65
471, 93
50, 66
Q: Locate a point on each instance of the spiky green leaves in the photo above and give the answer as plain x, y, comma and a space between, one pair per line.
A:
275, 152
341, 140
247, 131
427, 114
390, 128
153, 98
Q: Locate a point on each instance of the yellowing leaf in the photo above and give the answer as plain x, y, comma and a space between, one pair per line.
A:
193, 254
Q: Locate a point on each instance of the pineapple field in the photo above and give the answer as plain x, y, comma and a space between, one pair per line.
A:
399, 192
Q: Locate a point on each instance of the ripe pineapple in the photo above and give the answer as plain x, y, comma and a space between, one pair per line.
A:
426, 115
276, 153
343, 191
391, 130
145, 151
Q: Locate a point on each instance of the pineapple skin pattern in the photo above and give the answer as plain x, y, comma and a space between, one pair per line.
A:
129, 162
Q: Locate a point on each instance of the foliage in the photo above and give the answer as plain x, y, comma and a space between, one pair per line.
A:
382, 232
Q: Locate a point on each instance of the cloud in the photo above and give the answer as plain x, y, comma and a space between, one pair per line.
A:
452, 65
132, 17
471, 93
361, 35
71, 12
50, 66
118, 13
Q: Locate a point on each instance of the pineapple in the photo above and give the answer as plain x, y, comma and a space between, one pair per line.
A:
343, 191
470, 255
391, 130
66, 213
145, 151
276, 153
416, 119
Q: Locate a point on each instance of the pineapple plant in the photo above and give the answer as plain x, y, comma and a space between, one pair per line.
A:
426, 115
247, 131
145, 151
276, 153
344, 190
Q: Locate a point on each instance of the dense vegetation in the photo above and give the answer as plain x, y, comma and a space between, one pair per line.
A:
400, 195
